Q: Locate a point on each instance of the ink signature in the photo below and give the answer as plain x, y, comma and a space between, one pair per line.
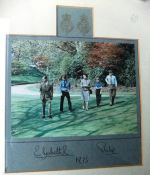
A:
107, 148
43, 152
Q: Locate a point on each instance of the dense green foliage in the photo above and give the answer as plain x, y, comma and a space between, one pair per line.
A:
55, 58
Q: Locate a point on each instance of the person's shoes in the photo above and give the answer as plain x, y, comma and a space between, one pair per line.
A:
50, 116
61, 111
43, 116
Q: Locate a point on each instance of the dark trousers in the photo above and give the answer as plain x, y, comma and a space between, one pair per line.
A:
67, 95
98, 97
44, 101
112, 95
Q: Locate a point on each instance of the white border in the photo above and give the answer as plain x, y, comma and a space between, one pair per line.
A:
114, 19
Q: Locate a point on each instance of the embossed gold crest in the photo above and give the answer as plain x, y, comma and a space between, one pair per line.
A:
66, 24
83, 24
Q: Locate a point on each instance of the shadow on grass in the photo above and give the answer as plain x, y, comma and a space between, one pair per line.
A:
79, 122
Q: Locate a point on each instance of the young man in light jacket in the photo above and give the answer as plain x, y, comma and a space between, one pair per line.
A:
112, 85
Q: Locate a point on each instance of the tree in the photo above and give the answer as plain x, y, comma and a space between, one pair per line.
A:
18, 67
73, 57
106, 56
118, 57
128, 74
41, 62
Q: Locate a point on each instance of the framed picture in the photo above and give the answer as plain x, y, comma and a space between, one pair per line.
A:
72, 103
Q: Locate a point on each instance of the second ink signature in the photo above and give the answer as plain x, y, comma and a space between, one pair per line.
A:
107, 148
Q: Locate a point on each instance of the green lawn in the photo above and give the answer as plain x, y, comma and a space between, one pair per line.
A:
24, 79
118, 119
30, 76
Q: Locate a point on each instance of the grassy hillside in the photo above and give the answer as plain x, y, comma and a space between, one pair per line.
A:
32, 75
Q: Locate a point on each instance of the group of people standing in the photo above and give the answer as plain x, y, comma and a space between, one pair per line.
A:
46, 92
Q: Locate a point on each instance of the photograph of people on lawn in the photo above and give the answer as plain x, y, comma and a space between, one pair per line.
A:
73, 87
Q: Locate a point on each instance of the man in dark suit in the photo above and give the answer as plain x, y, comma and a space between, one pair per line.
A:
46, 94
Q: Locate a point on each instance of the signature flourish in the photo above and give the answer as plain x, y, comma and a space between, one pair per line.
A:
44, 152
107, 148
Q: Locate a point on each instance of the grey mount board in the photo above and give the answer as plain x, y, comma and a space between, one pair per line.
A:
36, 144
